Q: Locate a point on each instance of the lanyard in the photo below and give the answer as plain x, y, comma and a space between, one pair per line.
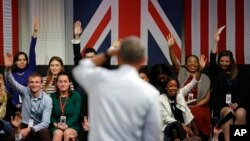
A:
229, 82
62, 106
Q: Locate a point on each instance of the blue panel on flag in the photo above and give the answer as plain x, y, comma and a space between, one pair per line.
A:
174, 11
84, 10
155, 55
105, 44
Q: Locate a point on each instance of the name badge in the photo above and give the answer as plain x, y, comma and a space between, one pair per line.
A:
31, 123
228, 98
20, 98
190, 96
63, 119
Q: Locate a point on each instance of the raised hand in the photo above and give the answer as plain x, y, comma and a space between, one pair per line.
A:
114, 49
216, 40
17, 120
202, 61
77, 29
85, 123
8, 60
36, 25
216, 36
117, 43
170, 40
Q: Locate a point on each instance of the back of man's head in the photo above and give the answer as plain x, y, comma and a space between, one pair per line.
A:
132, 51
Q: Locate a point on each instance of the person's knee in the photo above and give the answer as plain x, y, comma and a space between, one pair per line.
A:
58, 133
69, 132
6, 127
240, 116
241, 112
224, 111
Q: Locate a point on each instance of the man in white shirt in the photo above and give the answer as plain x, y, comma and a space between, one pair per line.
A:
122, 107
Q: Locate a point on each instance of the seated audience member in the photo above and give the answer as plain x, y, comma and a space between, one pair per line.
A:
49, 81
66, 110
10, 128
89, 53
3, 98
144, 73
200, 94
5, 103
175, 114
158, 76
22, 68
226, 93
4, 126
36, 104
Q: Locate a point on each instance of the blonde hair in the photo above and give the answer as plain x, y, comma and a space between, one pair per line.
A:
3, 98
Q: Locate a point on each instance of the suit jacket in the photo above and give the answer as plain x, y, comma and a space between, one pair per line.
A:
166, 113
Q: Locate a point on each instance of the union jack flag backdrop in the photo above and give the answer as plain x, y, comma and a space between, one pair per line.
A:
192, 22
107, 20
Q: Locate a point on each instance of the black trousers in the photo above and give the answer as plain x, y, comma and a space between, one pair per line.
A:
42, 135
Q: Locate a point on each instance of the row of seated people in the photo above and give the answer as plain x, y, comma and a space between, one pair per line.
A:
199, 96
60, 111
156, 75
221, 90
19, 88
23, 69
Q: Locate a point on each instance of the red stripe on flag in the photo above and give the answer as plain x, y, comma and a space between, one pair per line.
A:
204, 33
129, 21
102, 25
1, 33
162, 26
188, 27
15, 23
239, 31
221, 6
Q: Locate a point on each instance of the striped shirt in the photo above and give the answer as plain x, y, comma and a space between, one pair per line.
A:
51, 88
